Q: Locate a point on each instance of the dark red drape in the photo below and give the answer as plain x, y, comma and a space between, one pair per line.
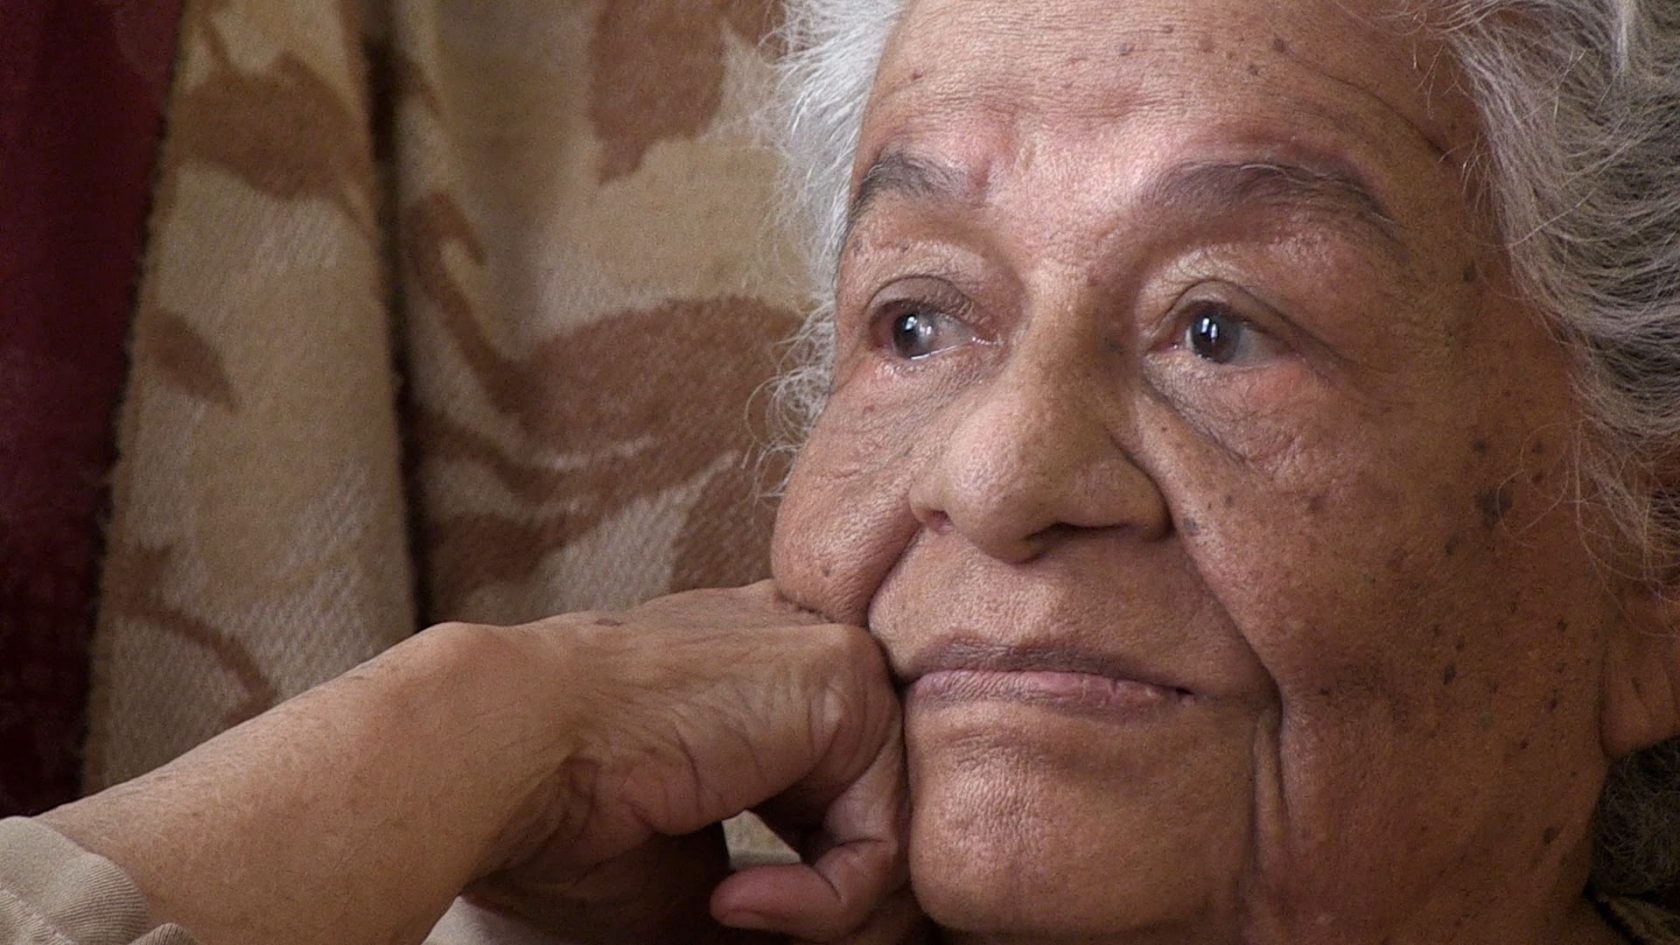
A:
82, 85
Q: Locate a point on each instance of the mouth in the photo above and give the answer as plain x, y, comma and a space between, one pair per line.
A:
1050, 676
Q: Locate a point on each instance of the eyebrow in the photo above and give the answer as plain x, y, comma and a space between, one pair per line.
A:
1202, 188
1217, 188
904, 175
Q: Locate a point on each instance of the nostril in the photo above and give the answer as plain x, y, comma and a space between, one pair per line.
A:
937, 522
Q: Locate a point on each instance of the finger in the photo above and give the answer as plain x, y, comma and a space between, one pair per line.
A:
898, 921
864, 863
642, 895
796, 901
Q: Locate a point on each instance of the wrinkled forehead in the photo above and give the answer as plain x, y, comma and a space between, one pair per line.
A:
1362, 77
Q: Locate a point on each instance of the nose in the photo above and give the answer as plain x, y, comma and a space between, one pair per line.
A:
1036, 454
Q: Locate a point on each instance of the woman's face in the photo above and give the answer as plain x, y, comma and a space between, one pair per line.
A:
1207, 488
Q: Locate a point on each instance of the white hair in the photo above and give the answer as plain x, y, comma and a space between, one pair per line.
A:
834, 48
1579, 102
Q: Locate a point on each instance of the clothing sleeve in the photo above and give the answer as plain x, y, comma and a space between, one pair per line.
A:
53, 892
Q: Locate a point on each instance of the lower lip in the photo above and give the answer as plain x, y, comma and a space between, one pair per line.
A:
1082, 692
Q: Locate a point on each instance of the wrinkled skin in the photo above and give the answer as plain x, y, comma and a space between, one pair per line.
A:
1208, 496
1332, 660
571, 772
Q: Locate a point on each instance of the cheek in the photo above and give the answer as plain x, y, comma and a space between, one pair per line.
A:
1384, 571
1429, 618
845, 517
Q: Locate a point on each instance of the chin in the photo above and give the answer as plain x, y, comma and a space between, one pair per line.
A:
1017, 834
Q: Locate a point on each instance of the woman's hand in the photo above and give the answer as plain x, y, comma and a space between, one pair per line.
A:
571, 770
690, 709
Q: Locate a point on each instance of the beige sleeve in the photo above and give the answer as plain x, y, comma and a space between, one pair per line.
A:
53, 892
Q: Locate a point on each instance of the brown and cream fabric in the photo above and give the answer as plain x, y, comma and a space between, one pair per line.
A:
451, 310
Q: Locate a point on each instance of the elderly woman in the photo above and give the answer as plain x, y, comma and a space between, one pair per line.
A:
1248, 439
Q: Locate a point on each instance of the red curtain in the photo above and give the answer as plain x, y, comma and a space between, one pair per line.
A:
82, 86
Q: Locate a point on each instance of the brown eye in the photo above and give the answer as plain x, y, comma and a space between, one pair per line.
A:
1215, 334
918, 333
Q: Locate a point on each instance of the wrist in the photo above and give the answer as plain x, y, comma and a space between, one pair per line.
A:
355, 812
512, 717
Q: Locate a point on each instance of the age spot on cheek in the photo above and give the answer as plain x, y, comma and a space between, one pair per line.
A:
1494, 503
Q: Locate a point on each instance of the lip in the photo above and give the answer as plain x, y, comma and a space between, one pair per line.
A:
1047, 675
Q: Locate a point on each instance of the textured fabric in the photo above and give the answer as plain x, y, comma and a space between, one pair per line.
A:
1644, 923
257, 542
592, 294
451, 311
71, 217
52, 892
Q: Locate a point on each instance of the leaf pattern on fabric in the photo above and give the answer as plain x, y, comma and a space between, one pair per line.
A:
659, 70
403, 356
134, 578
285, 131
639, 403
185, 359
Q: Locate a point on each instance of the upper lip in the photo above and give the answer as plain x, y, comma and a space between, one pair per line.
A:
976, 655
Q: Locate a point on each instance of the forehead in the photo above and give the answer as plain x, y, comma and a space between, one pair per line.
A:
1114, 86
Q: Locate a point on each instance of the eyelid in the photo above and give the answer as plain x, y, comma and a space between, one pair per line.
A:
1255, 315
928, 293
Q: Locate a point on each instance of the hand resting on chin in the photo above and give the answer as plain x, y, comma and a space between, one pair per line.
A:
572, 772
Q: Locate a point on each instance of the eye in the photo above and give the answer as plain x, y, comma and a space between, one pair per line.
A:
918, 333
1215, 333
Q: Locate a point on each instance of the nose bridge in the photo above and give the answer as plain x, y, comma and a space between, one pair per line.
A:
1040, 444
1045, 413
